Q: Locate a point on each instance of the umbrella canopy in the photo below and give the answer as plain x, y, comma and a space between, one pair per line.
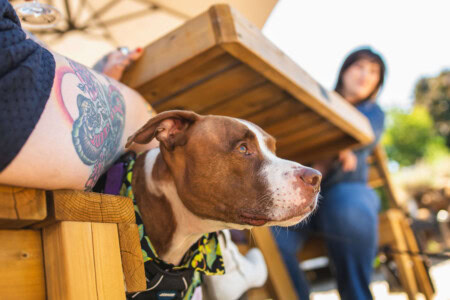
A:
91, 28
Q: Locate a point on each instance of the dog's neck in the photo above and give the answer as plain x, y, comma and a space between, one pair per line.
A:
171, 227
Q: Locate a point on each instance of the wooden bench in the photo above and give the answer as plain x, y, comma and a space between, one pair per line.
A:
68, 245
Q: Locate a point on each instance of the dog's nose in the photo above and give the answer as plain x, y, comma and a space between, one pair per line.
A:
311, 177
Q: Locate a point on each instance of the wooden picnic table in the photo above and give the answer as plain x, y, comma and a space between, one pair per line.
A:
219, 63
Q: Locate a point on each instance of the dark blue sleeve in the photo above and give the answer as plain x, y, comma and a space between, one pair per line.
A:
26, 79
336, 175
376, 117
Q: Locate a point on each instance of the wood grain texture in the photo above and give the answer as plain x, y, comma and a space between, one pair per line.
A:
82, 261
190, 73
218, 63
182, 44
322, 150
70, 205
21, 265
277, 112
108, 264
312, 131
258, 98
250, 46
21, 207
132, 261
308, 143
227, 84
293, 123
69, 261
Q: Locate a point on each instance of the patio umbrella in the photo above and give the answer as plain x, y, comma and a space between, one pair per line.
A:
91, 28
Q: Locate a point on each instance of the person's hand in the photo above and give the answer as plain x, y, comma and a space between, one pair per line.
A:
348, 160
119, 60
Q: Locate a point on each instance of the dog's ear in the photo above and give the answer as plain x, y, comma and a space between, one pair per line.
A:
168, 128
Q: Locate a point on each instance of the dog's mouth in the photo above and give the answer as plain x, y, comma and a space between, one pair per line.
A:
297, 217
254, 219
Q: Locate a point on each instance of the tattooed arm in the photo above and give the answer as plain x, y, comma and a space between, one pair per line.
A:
82, 130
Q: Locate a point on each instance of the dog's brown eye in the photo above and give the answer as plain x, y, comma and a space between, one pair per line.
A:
243, 148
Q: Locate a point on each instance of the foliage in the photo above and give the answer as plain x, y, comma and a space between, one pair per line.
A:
434, 94
412, 136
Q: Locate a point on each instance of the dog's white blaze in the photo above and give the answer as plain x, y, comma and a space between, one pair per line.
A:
280, 177
150, 160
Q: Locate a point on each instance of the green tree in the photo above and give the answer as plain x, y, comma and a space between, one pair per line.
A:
434, 94
411, 136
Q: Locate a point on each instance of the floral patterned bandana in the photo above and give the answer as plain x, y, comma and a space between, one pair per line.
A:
204, 257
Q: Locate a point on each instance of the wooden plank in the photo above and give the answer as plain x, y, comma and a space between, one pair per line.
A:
376, 183
132, 261
70, 205
69, 261
21, 207
259, 98
277, 112
108, 264
423, 280
225, 85
258, 294
293, 123
279, 281
21, 265
190, 73
200, 77
381, 160
310, 142
195, 37
299, 137
245, 42
322, 151
391, 225
375, 178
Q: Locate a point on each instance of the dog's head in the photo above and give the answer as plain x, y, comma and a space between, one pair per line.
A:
225, 169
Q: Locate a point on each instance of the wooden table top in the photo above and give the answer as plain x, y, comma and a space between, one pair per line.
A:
219, 63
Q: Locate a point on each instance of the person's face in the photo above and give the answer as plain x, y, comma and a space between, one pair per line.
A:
360, 80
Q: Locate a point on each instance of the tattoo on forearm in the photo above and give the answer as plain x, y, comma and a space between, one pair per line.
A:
97, 131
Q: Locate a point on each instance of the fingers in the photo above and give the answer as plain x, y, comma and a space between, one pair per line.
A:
348, 160
119, 60
136, 54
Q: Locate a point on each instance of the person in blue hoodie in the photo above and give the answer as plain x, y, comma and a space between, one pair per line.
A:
347, 212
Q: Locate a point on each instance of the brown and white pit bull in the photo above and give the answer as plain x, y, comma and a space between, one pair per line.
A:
211, 173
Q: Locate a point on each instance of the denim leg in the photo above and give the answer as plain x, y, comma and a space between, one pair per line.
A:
290, 240
347, 217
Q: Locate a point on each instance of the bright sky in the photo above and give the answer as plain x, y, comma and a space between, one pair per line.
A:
413, 36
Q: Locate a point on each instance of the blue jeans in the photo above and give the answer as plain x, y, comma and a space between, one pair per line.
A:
347, 219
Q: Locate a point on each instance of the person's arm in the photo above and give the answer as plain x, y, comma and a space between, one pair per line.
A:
82, 130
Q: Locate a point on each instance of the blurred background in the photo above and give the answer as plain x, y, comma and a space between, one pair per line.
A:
412, 36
